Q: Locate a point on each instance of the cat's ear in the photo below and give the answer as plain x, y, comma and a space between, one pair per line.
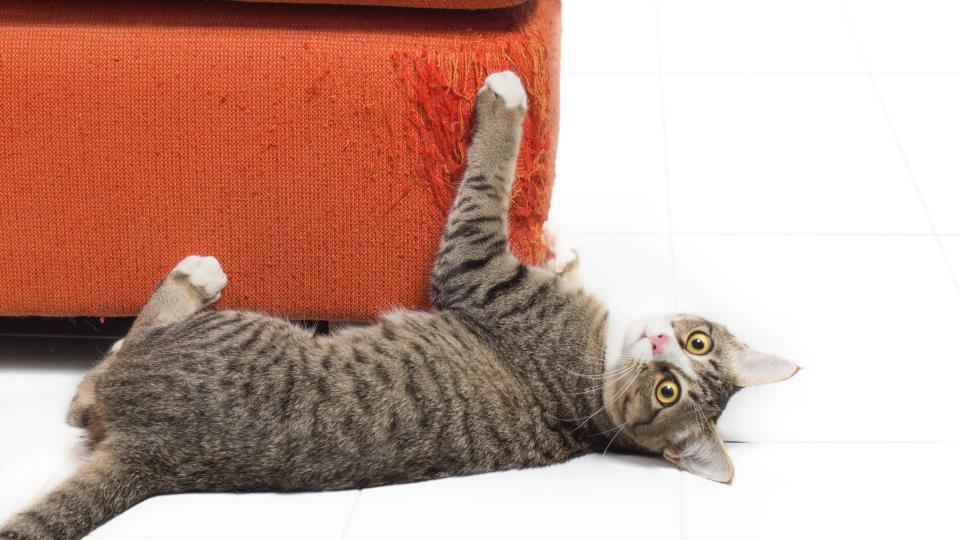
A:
703, 455
752, 367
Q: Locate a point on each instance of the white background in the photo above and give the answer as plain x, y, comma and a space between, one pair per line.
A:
788, 168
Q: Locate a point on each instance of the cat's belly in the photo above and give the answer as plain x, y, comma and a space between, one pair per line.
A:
337, 439
397, 402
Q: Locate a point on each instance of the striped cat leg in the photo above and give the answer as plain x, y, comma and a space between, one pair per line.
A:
103, 487
474, 265
194, 283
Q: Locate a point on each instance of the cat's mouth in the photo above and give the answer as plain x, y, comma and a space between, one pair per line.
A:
658, 346
649, 340
641, 349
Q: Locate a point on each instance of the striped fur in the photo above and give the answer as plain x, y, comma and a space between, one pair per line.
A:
506, 372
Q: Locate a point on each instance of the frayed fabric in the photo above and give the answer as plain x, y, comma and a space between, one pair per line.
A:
314, 150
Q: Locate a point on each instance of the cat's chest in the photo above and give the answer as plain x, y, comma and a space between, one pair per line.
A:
619, 315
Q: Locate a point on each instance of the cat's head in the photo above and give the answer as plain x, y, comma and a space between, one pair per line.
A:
671, 382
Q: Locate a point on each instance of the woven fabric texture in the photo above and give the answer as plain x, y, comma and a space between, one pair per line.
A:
432, 4
313, 149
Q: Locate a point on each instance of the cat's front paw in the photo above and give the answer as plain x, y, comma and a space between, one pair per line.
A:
507, 85
563, 249
205, 274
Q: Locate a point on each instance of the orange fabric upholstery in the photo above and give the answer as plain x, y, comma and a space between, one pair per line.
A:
432, 4
314, 149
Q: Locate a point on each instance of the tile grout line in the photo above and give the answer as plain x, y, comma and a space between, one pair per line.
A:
681, 531
353, 509
666, 159
896, 139
681, 518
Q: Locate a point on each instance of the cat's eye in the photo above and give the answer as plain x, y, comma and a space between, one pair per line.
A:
668, 392
699, 343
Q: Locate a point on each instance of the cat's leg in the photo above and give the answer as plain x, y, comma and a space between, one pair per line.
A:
103, 487
193, 284
82, 410
474, 272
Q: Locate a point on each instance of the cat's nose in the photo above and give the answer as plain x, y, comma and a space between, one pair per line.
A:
659, 343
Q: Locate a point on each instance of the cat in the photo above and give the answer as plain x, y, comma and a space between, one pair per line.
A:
516, 366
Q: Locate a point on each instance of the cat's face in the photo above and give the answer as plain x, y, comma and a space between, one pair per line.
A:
673, 380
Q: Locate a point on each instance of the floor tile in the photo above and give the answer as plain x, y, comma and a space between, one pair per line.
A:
630, 273
218, 516
951, 248
925, 113
612, 36
804, 491
594, 496
765, 36
917, 36
610, 166
32, 456
775, 144
870, 319
38, 376
784, 154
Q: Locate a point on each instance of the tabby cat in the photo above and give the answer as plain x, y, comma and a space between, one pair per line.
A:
517, 366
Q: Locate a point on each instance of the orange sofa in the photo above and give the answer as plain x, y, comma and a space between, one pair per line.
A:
314, 149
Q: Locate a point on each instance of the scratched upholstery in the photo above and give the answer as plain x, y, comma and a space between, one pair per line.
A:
313, 149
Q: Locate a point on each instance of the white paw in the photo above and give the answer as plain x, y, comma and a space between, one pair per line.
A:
116, 346
507, 85
561, 245
204, 273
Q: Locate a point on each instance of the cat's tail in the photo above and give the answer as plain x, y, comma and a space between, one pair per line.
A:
100, 490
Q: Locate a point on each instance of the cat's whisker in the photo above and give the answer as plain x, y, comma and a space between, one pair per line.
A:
614, 428
590, 390
700, 412
623, 425
602, 367
605, 405
598, 378
598, 360
616, 377
603, 375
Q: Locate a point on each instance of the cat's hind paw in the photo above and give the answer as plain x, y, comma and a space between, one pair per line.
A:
507, 85
205, 274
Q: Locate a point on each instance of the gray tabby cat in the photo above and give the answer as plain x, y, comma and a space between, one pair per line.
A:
516, 367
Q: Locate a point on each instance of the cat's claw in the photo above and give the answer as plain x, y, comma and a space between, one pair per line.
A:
204, 273
507, 85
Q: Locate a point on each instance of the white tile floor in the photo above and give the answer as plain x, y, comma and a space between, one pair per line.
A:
790, 168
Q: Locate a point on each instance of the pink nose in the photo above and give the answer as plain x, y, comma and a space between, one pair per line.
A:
659, 342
